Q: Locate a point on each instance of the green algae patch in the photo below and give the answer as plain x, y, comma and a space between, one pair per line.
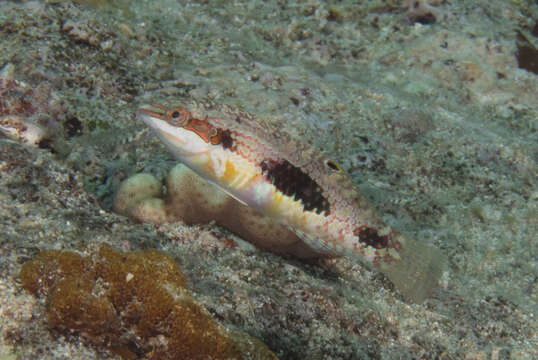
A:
134, 304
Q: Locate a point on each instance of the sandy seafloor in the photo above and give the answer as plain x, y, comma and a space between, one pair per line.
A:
436, 123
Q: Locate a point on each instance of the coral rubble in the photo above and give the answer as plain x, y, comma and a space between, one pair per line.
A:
21, 107
133, 304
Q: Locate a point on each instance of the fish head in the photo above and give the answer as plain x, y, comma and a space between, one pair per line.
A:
184, 134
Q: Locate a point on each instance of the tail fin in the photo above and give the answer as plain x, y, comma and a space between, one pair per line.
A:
418, 271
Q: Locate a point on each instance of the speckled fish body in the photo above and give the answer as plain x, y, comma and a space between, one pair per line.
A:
279, 176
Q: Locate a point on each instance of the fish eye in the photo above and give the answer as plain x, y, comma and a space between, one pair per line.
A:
179, 116
333, 165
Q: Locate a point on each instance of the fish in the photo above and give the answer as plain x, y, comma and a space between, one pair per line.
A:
281, 176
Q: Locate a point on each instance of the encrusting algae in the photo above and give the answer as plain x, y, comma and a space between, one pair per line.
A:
134, 304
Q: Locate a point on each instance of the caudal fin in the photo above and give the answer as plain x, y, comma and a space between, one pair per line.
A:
418, 271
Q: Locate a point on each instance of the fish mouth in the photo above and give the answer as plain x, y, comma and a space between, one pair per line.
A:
154, 110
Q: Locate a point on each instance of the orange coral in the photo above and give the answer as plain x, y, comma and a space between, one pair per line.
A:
134, 304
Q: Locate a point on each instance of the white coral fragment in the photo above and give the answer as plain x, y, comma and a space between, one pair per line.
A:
22, 130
